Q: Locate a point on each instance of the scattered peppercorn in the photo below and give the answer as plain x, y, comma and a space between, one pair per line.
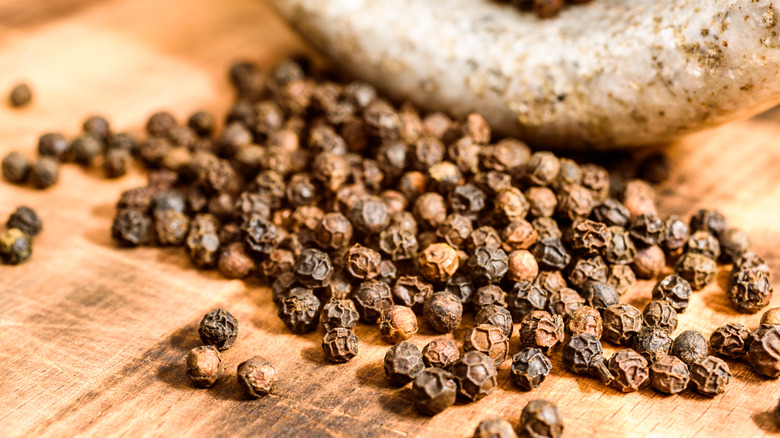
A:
489, 340
710, 376
25, 219
764, 350
564, 302
443, 312
630, 370
524, 298
580, 352
16, 168
652, 342
541, 330
675, 290
690, 346
771, 316
440, 353
256, 376
434, 390
730, 340
649, 262
660, 313
340, 344
131, 228
586, 319
621, 323
529, 368
234, 262
494, 427
15, 246
205, 365
475, 374
542, 419
20, 95
496, 316
45, 172
300, 310
749, 290
397, 323
669, 375
403, 363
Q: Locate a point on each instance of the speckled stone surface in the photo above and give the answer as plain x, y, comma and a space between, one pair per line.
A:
611, 73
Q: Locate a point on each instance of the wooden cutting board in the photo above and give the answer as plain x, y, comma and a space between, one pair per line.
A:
92, 337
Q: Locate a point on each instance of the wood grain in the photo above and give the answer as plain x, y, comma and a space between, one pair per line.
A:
92, 338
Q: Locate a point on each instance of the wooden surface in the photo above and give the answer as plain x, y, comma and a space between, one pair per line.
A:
92, 338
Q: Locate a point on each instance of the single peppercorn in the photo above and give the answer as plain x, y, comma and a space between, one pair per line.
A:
730, 340
749, 291
483, 236
586, 319
116, 162
434, 391
580, 352
711, 221
300, 310
339, 313
443, 312
475, 374
753, 262
524, 298
690, 346
494, 427
599, 295
16, 168
590, 238
489, 295
256, 376
771, 316
647, 229
54, 145
612, 213
440, 353
313, 268
649, 262
541, 201
234, 262
621, 323
397, 323
202, 242
218, 328
454, 230
510, 205
622, 278
20, 95
522, 266
488, 265
541, 419
676, 236
398, 242
542, 168
15, 246
661, 314
25, 219
45, 172
583, 271
639, 197
546, 227
652, 342
733, 244
204, 365
403, 363
669, 375
675, 290
412, 291
564, 302
710, 376
171, 228
340, 344
529, 368
362, 262
369, 214
630, 370
371, 298
620, 248
430, 210
261, 236
574, 202
131, 228
496, 316
438, 262
541, 330
489, 340
764, 350
333, 232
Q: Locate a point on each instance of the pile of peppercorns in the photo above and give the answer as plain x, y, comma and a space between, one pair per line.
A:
543, 8
16, 241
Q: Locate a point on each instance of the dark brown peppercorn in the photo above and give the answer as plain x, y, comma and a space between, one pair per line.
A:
399, 243
580, 352
434, 391
529, 368
709, 220
647, 229
697, 269
484, 236
116, 163
340, 344
455, 229
630, 370
550, 253
541, 419
171, 227
475, 374
704, 243
160, 123
300, 310
752, 261
438, 262
653, 343
131, 228
690, 346
85, 149
426, 152
489, 340
710, 376
20, 95
649, 262
733, 244
205, 365
620, 248
496, 316
467, 200
612, 213
621, 323
676, 236
397, 323
487, 296
362, 262
590, 238
45, 172
234, 262
278, 262
313, 268
440, 353
494, 427
551, 281
412, 291
487, 265
661, 314
655, 168
218, 328
599, 295
675, 290
256, 376
369, 214
15, 246
547, 8
25, 219
730, 340
569, 175
524, 298
334, 232
771, 316
371, 298
564, 302
541, 330
764, 350
622, 278
339, 313
16, 168
669, 375
403, 363
586, 319
749, 291
381, 119
202, 123
582, 271
462, 287
54, 145
596, 179
443, 312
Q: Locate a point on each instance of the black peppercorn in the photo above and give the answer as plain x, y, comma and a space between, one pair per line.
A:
590, 238
733, 244
711, 221
730, 340
647, 229
16, 168
496, 316
697, 269
340, 344
529, 368
362, 262
202, 242
675, 290
54, 145
489, 340
541, 419
131, 228
749, 290
541, 200
339, 313
582, 271
620, 248
524, 298
256, 376
475, 374
403, 363
313, 268
764, 350
690, 346
580, 352
462, 287
622, 278
649, 262
704, 243
676, 235
171, 227
45, 172
586, 319
234, 262
434, 391
652, 342
710, 376
218, 328
599, 295
25, 219
574, 202
564, 302
85, 149
371, 298
669, 375
510, 205
621, 323
205, 365
300, 310
542, 168
661, 314
550, 253
438, 262
494, 427
467, 200
443, 312
488, 265
440, 353
612, 213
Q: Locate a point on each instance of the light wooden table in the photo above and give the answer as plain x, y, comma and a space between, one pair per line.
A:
92, 337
